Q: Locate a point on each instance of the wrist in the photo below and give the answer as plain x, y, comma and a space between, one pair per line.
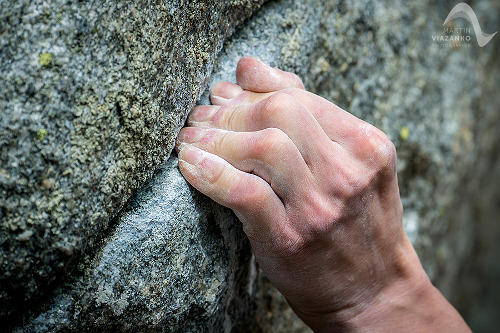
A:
408, 303
399, 306
409, 306
393, 304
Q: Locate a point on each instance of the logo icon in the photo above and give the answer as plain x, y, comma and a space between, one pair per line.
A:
465, 11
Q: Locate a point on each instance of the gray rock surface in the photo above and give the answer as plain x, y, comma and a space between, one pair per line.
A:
175, 261
92, 95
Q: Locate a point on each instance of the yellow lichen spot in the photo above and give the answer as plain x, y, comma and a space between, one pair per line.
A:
41, 134
404, 133
45, 59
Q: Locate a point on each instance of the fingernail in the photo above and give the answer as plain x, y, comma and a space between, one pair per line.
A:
190, 134
190, 154
225, 90
203, 113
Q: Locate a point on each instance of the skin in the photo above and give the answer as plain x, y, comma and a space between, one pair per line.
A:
317, 193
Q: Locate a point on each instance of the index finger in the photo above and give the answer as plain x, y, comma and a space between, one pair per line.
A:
257, 76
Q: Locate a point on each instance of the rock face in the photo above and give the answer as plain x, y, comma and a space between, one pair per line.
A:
176, 262
92, 96
173, 260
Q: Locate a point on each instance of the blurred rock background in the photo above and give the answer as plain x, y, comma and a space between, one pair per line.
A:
99, 231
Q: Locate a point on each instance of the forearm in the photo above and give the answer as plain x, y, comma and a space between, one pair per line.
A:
409, 304
423, 309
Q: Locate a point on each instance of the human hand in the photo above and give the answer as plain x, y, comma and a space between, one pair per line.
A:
317, 193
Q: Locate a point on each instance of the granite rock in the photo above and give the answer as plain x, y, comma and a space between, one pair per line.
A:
92, 95
175, 261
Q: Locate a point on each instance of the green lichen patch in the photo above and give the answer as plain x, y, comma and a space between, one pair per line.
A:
46, 59
404, 133
41, 134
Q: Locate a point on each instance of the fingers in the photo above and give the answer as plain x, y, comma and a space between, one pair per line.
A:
365, 141
269, 154
277, 111
290, 110
227, 93
254, 78
339, 125
223, 92
252, 199
254, 75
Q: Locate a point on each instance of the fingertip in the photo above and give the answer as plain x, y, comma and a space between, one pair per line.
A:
188, 171
190, 154
249, 61
185, 168
200, 168
255, 75
248, 73
202, 113
295, 80
223, 91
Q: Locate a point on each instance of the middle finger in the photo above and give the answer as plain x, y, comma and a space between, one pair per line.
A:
280, 111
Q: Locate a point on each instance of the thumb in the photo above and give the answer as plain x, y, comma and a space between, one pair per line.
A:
255, 75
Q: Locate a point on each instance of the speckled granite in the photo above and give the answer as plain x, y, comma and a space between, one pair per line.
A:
91, 98
175, 261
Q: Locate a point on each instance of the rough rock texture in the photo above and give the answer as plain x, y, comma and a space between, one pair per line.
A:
177, 262
92, 96
476, 212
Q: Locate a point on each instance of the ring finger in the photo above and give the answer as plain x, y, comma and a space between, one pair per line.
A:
278, 111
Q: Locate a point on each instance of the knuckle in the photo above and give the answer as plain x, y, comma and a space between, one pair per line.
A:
384, 155
379, 151
217, 138
215, 171
270, 141
275, 107
227, 116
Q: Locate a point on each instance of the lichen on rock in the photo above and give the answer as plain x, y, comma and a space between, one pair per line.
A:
104, 100
173, 260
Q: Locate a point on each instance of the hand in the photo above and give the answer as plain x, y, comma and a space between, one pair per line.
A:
317, 193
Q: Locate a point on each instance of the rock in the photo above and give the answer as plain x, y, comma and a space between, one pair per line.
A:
92, 96
175, 261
